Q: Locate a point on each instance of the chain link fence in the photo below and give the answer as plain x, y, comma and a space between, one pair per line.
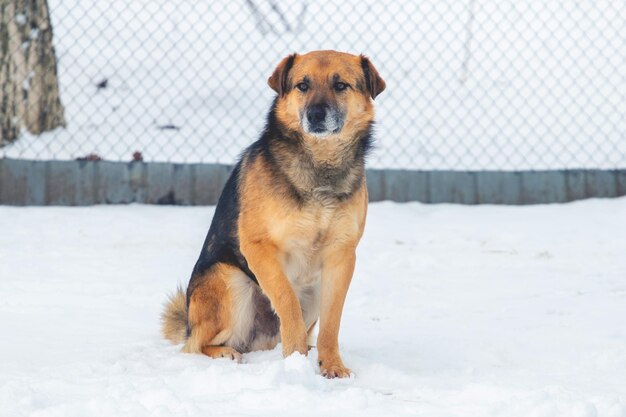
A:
471, 85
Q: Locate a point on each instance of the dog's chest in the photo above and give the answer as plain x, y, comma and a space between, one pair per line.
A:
302, 243
301, 258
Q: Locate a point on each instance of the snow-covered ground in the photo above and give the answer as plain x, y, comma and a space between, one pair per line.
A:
533, 84
453, 311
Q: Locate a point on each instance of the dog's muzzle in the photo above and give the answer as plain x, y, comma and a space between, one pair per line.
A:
322, 120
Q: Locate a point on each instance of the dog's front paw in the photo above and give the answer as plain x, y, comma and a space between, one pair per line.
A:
333, 368
288, 349
294, 342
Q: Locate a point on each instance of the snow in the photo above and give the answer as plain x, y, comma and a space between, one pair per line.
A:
21, 19
27, 81
544, 87
453, 311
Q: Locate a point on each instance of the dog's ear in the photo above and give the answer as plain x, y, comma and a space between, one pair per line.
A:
279, 79
375, 85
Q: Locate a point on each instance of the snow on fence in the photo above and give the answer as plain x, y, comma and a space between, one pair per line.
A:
515, 87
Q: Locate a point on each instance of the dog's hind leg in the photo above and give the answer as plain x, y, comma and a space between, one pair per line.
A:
222, 352
210, 314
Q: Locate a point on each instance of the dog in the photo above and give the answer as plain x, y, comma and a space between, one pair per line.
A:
280, 251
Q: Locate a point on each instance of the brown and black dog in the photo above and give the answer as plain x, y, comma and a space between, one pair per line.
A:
280, 252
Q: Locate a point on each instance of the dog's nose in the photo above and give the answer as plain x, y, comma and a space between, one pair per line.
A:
316, 114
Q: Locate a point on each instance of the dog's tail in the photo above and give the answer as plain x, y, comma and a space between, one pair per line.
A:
174, 320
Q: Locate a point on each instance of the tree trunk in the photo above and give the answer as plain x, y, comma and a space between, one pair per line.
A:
28, 70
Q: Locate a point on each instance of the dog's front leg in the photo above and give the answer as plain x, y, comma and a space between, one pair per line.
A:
263, 261
336, 276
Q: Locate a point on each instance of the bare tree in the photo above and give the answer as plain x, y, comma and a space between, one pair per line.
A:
28, 70
467, 45
263, 18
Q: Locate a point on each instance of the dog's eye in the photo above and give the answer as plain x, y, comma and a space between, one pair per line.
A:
302, 87
339, 86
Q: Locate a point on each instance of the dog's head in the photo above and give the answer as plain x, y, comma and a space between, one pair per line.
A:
326, 93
